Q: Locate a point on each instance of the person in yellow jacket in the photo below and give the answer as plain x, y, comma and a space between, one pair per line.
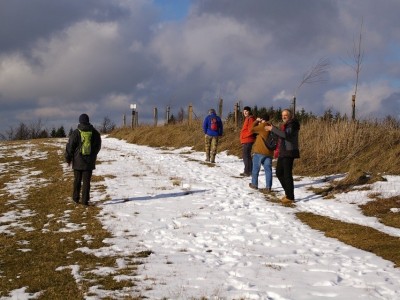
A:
261, 154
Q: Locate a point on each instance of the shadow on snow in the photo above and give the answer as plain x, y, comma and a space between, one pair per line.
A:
152, 197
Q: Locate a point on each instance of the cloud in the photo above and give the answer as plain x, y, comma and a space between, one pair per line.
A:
99, 56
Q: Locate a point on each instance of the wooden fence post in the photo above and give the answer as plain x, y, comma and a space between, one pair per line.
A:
236, 115
155, 116
190, 114
221, 101
167, 114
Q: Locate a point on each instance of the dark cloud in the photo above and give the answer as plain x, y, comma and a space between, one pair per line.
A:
23, 22
61, 58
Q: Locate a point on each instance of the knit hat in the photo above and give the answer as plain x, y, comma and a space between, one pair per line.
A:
247, 108
84, 119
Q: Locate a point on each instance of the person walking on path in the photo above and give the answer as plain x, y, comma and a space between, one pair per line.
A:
247, 140
287, 151
83, 154
213, 129
261, 154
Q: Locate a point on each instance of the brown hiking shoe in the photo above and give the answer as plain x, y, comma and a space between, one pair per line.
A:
266, 191
285, 200
252, 186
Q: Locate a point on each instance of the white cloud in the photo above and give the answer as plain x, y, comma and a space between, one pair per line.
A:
368, 101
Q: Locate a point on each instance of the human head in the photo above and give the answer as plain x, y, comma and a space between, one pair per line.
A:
246, 110
286, 115
84, 119
211, 111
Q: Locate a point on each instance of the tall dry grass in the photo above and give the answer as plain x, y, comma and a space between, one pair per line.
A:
325, 147
343, 146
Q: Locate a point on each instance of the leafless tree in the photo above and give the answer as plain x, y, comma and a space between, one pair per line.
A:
181, 115
107, 125
36, 129
316, 74
357, 57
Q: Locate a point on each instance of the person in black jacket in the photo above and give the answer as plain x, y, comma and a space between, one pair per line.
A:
287, 151
83, 165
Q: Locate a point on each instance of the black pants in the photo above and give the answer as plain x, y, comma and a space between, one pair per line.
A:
82, 179
284, 168
247, 160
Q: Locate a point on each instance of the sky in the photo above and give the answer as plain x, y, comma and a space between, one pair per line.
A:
210, 234
60, 59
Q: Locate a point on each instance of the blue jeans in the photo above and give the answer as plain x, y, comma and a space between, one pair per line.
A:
266, 161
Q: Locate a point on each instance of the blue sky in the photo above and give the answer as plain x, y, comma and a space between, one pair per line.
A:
173, 9
60, 59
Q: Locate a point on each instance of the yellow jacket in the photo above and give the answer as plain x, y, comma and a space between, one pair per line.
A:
259, 145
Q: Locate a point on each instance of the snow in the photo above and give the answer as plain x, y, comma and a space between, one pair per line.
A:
212, 236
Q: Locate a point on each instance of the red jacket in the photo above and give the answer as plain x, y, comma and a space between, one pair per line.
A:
246, 136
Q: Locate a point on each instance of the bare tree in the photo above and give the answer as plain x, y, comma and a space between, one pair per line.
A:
314, 75
22, 132
181, 115
36, 129
107, 125
357, 57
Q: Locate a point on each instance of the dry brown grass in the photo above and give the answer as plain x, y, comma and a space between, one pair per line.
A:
361, 237
35, 246
339, 147
325, 147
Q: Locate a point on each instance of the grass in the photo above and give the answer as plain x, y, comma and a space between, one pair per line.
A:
38, 250
362, 237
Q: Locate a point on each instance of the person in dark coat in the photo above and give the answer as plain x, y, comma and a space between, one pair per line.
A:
287, 151
83, 165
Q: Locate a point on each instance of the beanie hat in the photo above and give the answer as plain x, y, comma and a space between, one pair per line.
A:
247, 108
84, 119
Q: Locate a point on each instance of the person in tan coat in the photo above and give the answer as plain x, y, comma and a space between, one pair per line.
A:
261, 154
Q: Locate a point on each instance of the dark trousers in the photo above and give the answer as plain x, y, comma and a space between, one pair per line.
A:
247, 160
82, 179
284, 168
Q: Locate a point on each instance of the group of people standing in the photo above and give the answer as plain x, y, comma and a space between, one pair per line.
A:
255, 153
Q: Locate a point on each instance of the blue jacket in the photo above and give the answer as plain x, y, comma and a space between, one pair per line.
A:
207, 126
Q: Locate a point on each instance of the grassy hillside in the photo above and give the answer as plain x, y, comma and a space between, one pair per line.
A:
325, 147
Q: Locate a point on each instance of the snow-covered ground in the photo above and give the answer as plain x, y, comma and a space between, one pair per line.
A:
211, 236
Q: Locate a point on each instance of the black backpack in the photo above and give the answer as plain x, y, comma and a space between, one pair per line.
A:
272, 141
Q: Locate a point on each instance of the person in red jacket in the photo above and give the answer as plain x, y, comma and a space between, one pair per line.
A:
247, 139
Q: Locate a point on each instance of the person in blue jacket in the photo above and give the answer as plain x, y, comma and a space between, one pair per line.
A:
213, 129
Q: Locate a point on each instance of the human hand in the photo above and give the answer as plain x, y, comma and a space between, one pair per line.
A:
268, 127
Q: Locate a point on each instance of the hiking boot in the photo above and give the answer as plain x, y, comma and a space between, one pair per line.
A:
286, 200
266, 191
244, 174
252, 186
